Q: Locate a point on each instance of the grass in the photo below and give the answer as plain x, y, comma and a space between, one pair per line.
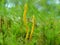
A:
27, 24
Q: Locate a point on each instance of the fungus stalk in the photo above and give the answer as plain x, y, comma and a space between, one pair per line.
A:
32, 30
25, 19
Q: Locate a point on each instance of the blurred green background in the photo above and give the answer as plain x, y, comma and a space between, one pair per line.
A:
47, 22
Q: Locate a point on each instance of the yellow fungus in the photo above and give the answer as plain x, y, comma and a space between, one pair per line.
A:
25, 19
33, 22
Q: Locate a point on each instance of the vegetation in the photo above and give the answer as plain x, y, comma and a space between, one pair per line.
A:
29, 22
